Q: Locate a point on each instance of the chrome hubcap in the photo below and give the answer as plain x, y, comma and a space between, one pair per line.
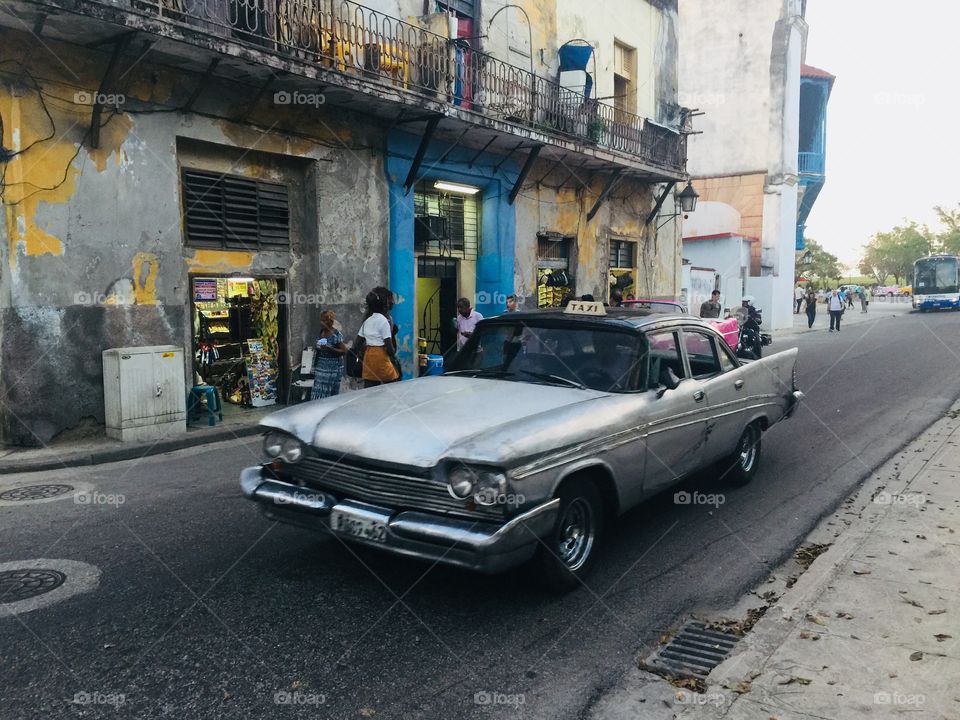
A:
748, 450
576, 533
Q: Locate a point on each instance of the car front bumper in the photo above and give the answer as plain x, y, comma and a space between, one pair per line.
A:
476, 545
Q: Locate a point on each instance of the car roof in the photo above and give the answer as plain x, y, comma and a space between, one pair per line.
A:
622, 318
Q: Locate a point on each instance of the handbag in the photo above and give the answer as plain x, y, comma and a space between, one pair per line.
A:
353, 360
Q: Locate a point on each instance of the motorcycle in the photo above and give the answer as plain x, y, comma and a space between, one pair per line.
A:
751, 340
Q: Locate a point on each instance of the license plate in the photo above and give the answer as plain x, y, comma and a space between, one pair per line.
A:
355, 526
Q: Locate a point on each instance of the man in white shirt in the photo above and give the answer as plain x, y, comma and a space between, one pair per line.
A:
798, 299
835, 306
467, 319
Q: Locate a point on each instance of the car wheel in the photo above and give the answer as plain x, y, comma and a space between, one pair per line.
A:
740, 466
566, 556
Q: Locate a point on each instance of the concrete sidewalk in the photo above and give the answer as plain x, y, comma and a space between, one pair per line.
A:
98, 448
870, 630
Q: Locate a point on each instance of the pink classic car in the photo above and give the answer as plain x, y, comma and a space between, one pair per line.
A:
728, 327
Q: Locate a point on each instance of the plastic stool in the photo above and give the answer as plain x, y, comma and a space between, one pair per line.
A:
214, 408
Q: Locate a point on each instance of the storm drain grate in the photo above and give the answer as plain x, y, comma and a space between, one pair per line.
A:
34, 492
693, 652
16, 585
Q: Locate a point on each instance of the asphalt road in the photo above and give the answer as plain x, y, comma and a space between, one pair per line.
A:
203, 609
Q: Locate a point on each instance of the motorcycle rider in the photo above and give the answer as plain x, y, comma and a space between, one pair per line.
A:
749, 319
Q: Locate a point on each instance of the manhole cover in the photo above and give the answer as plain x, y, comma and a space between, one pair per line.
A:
693, 652
35, 492
18, 585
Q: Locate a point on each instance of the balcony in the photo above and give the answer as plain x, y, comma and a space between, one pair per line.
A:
811, 163
378, 65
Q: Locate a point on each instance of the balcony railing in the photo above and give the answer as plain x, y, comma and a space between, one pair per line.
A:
355, 40
811, 163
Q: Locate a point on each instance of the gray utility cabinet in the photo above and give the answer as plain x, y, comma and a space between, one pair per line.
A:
144, 392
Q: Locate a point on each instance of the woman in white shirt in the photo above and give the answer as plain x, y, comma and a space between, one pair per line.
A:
379, 348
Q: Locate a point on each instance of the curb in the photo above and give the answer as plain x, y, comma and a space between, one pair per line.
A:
760, 645
132, 452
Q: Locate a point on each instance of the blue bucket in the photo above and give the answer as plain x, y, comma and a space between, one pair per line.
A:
434, 365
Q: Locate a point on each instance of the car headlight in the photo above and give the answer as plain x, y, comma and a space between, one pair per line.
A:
278, 445
487, 486
460, 482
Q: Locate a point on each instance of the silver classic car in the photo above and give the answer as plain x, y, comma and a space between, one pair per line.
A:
546, 426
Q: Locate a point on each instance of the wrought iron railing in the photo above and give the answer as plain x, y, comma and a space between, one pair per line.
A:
811, 163
356, 40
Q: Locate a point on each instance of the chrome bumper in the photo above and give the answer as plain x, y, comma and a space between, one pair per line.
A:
475, 545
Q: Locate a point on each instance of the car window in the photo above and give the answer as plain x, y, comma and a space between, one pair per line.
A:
664, 349
727, 363
702, 354
600, 359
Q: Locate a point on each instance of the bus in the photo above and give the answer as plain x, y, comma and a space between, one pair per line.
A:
936, 282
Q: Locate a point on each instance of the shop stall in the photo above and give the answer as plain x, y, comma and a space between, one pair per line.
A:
237, 339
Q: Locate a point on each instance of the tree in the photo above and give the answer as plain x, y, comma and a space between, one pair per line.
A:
949, 240
822, 266
894, 252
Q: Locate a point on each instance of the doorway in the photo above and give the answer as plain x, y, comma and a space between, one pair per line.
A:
238, 335
437, 283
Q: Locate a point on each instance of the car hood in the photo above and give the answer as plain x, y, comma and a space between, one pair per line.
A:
422, 421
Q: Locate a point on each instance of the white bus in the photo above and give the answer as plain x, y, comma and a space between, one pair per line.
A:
936, 283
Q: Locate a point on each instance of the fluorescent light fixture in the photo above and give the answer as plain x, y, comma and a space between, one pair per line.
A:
241, 279
456, 187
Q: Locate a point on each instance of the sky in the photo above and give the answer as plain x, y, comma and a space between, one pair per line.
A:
892, 143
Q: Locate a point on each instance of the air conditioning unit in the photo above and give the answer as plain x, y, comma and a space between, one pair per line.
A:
144, 392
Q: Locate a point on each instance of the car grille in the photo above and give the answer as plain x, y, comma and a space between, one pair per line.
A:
392, 489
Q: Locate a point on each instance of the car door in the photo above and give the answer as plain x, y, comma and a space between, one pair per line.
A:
724, 382
674, 431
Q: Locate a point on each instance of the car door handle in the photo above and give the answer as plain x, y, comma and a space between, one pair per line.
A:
738, 384
698, 396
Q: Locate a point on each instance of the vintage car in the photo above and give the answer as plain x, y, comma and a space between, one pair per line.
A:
728, 327
547, 426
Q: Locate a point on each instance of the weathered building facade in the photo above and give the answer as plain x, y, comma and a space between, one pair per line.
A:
163, 160
740, 66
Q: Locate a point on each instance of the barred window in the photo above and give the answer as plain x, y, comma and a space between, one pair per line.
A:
228, 212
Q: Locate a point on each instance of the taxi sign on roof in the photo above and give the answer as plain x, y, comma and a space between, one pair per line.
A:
584, 307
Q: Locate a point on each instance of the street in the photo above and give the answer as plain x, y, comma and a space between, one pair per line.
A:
205, 609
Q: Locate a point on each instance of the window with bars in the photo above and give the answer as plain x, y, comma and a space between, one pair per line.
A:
623, 254
228, 212
447, 224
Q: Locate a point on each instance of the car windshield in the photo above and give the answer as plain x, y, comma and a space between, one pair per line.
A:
935, 276
599, 359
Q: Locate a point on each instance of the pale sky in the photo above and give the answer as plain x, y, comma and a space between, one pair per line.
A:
892, 143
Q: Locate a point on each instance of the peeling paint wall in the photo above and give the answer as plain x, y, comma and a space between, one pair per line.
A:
542, 207
91, 241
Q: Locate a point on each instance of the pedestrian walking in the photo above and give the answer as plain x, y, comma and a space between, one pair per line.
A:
851, 292
328, 367
711, 308
835, 306
798, 295
375, 340
811, 301
864, 299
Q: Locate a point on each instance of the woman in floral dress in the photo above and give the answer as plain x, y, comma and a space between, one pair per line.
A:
328, 367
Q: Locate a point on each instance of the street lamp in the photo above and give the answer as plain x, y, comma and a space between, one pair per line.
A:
688, 198
806, 259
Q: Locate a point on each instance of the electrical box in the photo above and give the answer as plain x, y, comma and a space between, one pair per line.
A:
144, 392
